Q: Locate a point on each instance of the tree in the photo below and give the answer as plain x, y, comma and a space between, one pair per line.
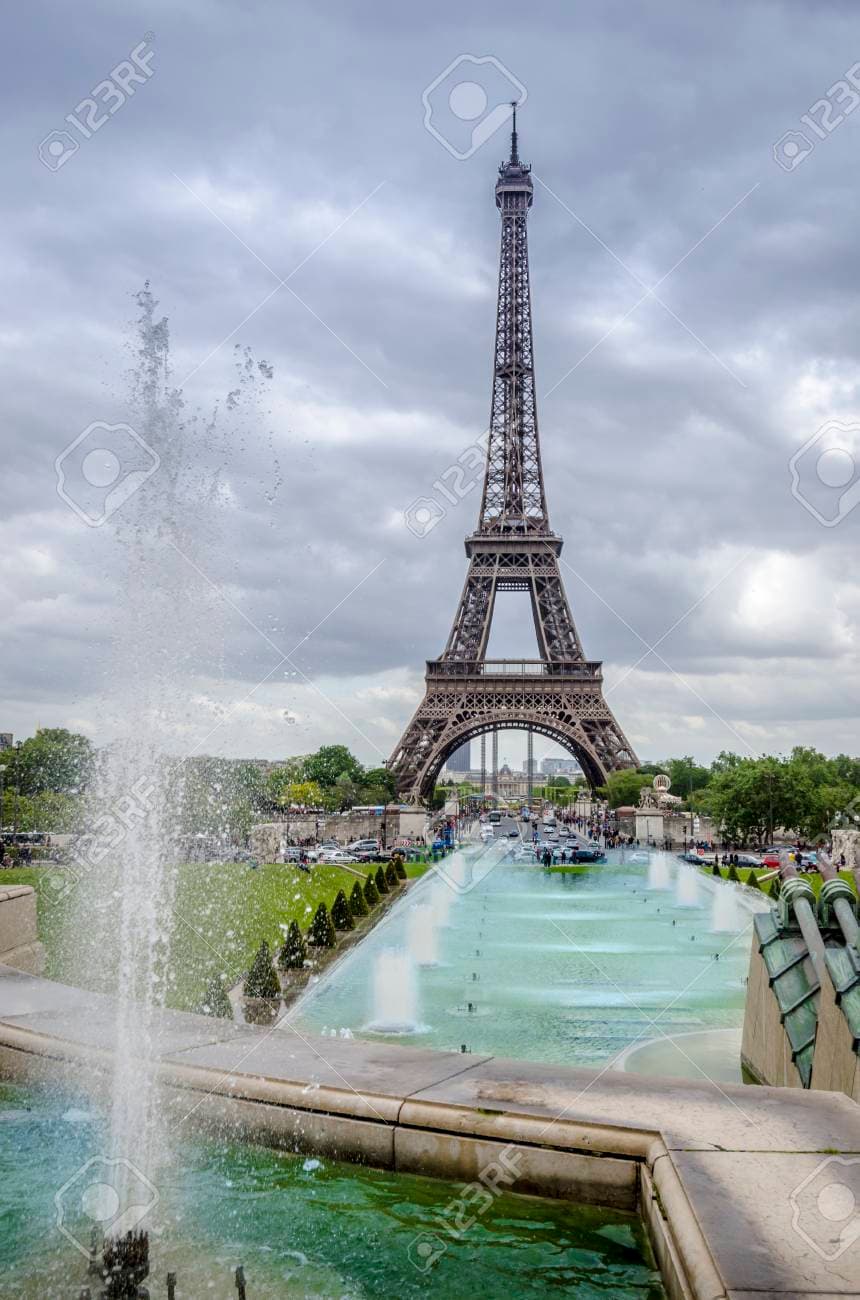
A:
293, 952
54, 759
331, 762
623, 788
262, 979
371, 893
399, 865
380, 881
392, 879
340, 913
215, 1000
357, 901
322, 932
378, 786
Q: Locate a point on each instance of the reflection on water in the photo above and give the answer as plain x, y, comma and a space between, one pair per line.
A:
574, 968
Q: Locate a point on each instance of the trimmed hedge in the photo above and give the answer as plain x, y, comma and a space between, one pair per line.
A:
357, 901
215, 1000
399, 865
322, 932
262, 979
340, 913
294, 950
371, 893
381, 882
392, 879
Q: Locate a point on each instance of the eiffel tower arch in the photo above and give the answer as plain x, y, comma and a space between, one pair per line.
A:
559, 694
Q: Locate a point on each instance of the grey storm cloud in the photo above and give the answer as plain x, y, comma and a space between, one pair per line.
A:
274, 183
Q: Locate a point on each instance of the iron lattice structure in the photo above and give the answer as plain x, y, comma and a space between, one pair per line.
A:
560, 694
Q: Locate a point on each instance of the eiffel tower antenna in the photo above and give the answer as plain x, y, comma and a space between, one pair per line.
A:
559, 694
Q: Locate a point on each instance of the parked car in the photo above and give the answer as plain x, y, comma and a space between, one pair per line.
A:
363, 846
335, 856
770, 857
748, 860
588, 855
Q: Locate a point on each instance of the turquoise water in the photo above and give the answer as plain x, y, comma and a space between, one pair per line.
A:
301, 1228
574, 968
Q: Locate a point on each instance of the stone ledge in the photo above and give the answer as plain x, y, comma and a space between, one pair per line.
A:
711, 1168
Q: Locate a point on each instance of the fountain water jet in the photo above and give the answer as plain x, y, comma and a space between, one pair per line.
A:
725, 914
687, 887
395, 993
421, 935
659, 872
166, 637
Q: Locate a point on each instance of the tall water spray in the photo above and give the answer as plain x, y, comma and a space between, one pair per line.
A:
659, 872
165, 636
395, 993
687, 887
725, 913
421, 935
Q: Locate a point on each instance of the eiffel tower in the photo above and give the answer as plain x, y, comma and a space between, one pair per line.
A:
559, 695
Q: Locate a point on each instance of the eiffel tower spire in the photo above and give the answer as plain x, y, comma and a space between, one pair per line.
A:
513, 548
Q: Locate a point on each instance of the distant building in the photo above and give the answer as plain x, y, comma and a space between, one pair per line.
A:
460, 760
560, 767
7, 740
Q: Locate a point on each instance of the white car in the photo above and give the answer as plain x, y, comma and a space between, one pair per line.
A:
337, 856
487, 834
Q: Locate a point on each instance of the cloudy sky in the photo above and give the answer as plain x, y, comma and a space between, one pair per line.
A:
267, 168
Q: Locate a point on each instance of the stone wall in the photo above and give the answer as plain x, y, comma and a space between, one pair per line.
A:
267, 838
847, 842
19, 935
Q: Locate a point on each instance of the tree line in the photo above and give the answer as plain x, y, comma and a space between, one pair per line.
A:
804, 792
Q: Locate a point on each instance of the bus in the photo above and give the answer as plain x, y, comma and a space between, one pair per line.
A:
494, 817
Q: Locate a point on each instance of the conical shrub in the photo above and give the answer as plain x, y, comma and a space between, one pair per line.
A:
262, 979
773, 889
715, 869
215, 1000
340, 913
322, 932
392, 879
752, 879
381, 882
357, 901
399, 865
371, 893
733, 874
294, 950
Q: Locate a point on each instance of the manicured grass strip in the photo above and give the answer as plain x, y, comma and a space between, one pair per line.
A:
222, 913
813, 877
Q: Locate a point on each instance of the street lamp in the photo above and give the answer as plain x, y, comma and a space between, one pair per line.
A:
17, 790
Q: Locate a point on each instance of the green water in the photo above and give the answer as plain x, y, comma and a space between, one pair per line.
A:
301, 1228
575, 968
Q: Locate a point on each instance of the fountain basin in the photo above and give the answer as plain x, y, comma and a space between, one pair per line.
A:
665, 1148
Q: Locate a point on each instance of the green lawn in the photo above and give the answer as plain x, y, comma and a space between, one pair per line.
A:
813, 877
221, 914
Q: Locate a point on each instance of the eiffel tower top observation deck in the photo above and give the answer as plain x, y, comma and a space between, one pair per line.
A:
513, 548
